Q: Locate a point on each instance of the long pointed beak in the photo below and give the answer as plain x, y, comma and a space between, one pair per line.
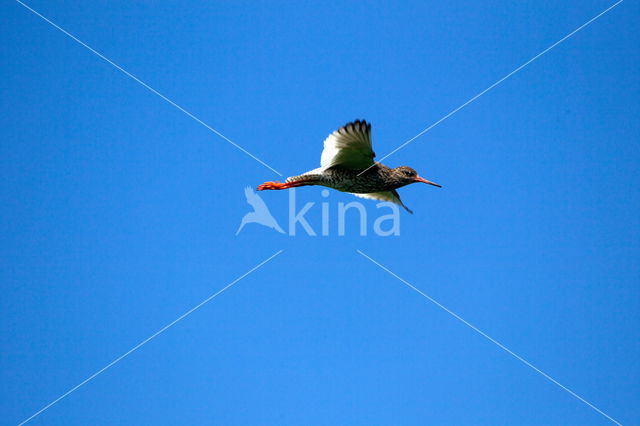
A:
423, 180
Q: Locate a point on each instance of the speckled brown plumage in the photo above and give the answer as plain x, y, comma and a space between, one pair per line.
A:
378, 178
347, 165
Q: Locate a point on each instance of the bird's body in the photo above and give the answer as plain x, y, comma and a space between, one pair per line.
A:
374, 179
347, 165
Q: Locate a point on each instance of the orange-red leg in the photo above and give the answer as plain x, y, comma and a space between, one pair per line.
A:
279, 185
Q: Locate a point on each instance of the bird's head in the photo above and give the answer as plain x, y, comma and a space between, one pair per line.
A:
406, 175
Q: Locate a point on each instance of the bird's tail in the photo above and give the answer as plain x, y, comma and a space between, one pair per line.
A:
305, 179
240, 228
292, 182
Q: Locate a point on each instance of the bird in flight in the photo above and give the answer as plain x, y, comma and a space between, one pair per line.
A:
260, 213
347, 165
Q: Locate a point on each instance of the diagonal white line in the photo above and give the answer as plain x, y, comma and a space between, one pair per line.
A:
151, 89
496, 83
148, 339
491, 339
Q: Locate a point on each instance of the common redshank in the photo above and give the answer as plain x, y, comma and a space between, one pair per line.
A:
346, 164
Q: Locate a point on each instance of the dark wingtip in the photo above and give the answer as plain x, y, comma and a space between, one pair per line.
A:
357, 121
360, 125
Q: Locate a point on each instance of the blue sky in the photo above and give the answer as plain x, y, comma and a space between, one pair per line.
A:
119, 212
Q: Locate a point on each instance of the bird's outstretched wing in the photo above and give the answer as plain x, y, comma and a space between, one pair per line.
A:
254, 200
349, 147
390, 196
